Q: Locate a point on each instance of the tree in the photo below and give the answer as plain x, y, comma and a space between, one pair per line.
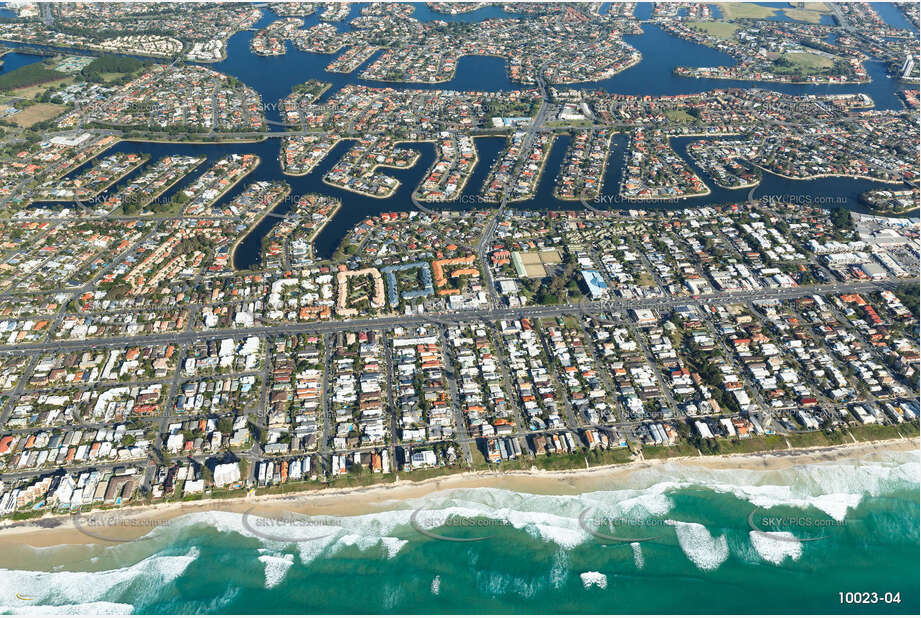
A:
841, 218
225, 425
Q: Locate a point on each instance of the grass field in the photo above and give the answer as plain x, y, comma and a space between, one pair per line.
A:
37, 113
806, 62
821, 7
810, 12
570, 322
30, 92
719, 29
111, 77
679, 115
812, 17
569, 123
742, 10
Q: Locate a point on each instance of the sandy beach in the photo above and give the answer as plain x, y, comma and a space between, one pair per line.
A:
133, 522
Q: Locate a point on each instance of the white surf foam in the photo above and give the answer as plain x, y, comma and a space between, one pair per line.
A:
76, 588
775, 547
594, 578
393, 596
638, 558
499, 584
834, 488
95, 608
276, 567
705, 551
214, 605
560, 569
436, 585
393, 545
836, 505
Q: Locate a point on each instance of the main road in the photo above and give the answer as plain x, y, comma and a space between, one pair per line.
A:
470, 315
489, 231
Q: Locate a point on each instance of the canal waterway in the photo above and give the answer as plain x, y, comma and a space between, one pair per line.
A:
274, 76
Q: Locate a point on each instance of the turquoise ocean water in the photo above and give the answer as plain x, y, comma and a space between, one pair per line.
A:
693, 550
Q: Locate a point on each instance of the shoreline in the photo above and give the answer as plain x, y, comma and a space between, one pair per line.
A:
51, 530
259, 218
144, 159
141, 140
775, 81
374, 169
246, 172
601, 176
538, 177
820, 176
316, 232
153, 197
463, 183
284, 168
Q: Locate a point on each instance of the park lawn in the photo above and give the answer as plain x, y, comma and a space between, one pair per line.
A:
37, 113
719, 29
512, 465
570, 322
173, 208
427, 473
746, 10
812, 17
810, 12
679, 115
111, 77
362, 478
807, 62
556, 124
30, 92
479, 460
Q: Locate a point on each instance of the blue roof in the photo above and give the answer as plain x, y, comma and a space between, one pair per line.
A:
596, 285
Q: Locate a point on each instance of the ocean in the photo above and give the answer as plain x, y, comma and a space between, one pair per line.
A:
686, 539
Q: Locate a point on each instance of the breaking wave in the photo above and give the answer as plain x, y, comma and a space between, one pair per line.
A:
594, 578
82, 592
833, 488
704, 550
552, 521
638, 558
276, 567
96, 608
775, 547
